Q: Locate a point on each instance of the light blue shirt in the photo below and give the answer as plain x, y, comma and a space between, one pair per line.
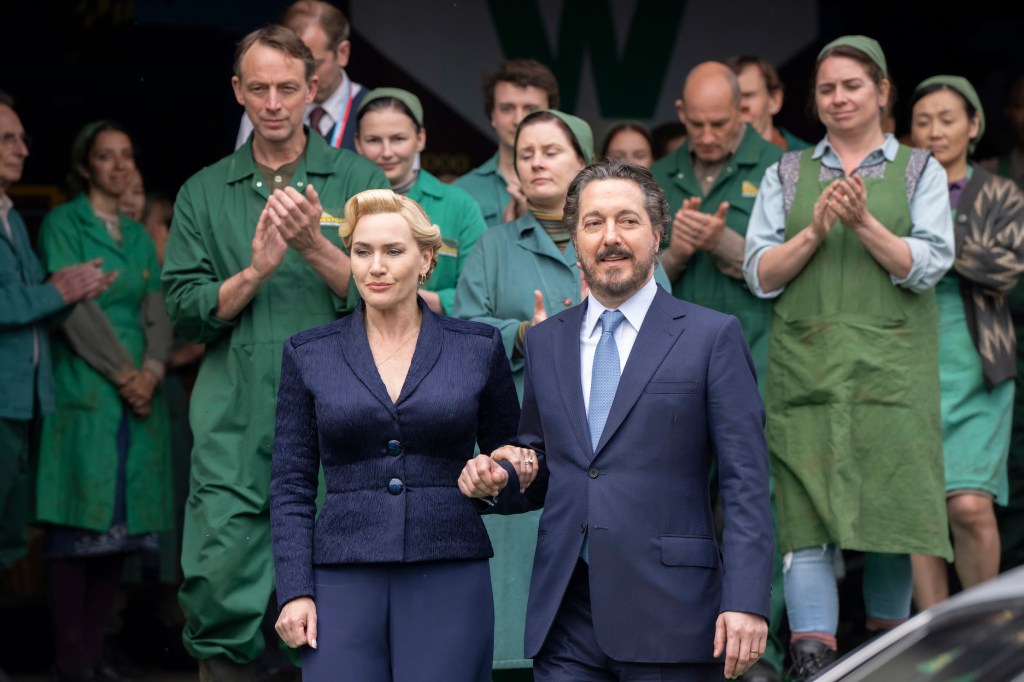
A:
634, 309
931, 236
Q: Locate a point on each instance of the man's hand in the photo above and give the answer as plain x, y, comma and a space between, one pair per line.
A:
701, 230
83, 281
268, 247
297, 623
742, 637
523, 459
482, 477
297, 217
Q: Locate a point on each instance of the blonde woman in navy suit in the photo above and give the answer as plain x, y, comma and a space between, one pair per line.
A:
392, 577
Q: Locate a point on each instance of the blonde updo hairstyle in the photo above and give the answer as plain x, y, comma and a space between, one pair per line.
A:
377, 201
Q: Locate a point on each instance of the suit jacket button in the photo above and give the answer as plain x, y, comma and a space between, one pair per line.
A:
395, 486
592, 473
394, 448
583, 527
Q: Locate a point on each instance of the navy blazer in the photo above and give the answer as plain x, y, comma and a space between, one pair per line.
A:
391, 469
687, 397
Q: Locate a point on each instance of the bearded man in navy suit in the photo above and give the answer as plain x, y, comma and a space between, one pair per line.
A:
630, 397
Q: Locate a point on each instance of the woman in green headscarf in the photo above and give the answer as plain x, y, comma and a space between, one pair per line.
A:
977, 361
103, 487
849, 239
390, 132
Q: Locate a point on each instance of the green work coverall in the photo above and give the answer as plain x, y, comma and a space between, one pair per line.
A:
226, 557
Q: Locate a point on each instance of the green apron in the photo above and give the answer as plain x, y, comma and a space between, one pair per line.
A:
78, 453
853, 390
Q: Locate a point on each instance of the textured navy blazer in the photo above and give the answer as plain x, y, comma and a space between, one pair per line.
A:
391, 469
687, 397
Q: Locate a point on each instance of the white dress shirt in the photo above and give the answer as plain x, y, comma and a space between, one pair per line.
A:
634, 309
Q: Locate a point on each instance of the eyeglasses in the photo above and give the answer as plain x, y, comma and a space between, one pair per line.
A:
8, 140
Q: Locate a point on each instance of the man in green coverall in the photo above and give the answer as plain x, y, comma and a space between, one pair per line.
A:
253, 257
711, 183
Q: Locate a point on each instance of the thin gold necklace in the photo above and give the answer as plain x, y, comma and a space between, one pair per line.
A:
400, 347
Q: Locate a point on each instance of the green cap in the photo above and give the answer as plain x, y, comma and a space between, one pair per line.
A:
578, 128
868, 46
963, 87
411, 101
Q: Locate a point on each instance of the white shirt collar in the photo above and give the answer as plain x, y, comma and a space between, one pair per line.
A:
332, 105
634, 308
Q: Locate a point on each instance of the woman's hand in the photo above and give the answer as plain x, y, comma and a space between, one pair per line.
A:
297, 623
824, 216
523, 459
138, 391
849, 201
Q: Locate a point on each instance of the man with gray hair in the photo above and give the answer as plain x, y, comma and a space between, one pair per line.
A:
630, 398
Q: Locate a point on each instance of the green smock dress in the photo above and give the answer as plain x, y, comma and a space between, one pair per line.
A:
852, 390
976, 422
226, 557
77, 485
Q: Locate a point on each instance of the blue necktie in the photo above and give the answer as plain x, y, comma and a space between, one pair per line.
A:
604, 380
605, 376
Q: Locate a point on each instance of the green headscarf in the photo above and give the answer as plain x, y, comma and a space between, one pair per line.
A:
578, 128
411, 101
962, 87
868, 46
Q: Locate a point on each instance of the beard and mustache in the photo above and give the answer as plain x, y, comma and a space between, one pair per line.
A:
618, 285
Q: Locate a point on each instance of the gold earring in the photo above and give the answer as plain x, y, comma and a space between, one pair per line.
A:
423, 278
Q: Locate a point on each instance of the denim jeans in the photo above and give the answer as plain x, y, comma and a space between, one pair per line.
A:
812, 598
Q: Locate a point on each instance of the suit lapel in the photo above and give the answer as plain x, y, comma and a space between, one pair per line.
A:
428, 349
659, 331
355, 348
565, 355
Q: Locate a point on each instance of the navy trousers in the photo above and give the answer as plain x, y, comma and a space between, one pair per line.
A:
402, 623
571, 652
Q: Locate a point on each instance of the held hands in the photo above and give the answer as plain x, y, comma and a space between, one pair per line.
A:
83, 281
742, 637
483, 476
523, 459
297, 623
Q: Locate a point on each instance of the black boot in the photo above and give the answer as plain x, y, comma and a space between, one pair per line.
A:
222, 670
810, 657
760, 672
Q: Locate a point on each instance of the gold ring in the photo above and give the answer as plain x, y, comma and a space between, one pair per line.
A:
529, 460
